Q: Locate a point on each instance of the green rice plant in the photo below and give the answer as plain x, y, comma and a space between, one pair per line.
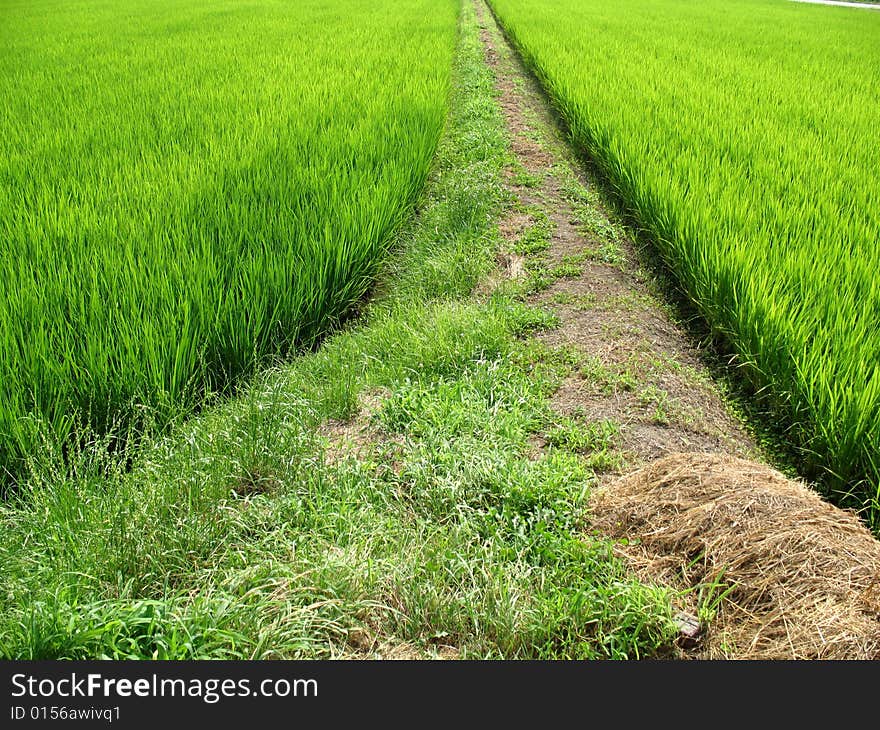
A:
191, 189
743, 136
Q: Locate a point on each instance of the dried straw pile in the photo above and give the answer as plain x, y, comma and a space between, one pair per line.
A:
803, 576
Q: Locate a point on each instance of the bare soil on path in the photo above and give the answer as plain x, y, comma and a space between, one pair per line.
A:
643, 373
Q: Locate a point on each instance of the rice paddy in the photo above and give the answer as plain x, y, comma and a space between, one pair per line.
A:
743, 135
189, 190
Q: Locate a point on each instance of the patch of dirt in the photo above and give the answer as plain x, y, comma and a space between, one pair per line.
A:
513, 225
363, 644
513, 265
568, 241
648, 429
408, 652
353, 438
787, 575
534, 158
507, 266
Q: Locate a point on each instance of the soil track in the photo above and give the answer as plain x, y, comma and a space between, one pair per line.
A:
642, 372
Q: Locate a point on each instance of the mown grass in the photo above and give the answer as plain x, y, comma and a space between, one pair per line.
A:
191, 190
253, 532
741, 136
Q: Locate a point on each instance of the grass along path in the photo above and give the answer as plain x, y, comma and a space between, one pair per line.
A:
380, 497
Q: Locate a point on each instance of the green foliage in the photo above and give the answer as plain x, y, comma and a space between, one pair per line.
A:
536, 237
189, 190
742, 135
583, 438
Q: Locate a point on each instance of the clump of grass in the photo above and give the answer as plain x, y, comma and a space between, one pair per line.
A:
523, 177
597, 372
582, 437
536, 237
541, 276
657, 400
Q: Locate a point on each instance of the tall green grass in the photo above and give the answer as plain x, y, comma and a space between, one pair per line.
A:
744, 136
190, 188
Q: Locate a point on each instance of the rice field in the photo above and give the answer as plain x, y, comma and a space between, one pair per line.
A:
743, 135
193, 191
190, 189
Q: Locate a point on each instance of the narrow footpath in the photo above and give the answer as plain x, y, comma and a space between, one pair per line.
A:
643, 378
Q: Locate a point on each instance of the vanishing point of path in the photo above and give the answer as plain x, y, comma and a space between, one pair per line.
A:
778, 572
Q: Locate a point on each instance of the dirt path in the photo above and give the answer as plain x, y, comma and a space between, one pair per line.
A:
640, 377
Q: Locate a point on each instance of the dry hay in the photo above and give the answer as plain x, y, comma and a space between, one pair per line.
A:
801, 575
